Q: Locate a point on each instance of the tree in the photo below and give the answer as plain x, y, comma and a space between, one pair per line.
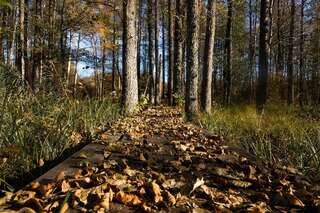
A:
157, 97
151, 51
192, 75
130, 81
290, 99
206, 88
261, 97
227, 56
178, 53
170, 53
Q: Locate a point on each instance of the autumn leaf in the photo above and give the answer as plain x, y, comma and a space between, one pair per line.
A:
128, 199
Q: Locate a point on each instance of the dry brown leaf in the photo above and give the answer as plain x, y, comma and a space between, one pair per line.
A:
294, 201
46, 189
35, 185
81, 195
142, 158
105, 202
128, 199
197, 184
257, 208
170, 198
65, 186
156, 192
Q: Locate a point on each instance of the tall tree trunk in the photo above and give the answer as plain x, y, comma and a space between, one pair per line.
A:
191, 105
151, 51
163, 56
252, 50
206, 89
157, 97
114, 54
263, 58
170, 53
290, 79
227, 56
316, 56
279, 65
178, 54
139, 44
301, 56
130, 81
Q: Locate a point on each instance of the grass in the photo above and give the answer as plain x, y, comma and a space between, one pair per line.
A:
287, 136
39, 128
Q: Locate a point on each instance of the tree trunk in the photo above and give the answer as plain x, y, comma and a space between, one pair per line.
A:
151, 52
157, 97
279, 65
191, 105
163, 56
129, 66
114, 54
170, 53
139, 44
178, 54
206, 89
301, 56
263, 58
290, 99
227, 56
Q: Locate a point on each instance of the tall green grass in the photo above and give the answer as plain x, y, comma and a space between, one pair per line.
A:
282, 135
36, 128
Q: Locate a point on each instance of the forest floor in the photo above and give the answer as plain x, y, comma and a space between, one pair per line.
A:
154, 162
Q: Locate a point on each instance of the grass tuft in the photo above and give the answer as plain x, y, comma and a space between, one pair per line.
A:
282, 135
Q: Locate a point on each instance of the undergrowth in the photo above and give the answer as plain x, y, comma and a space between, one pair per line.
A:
286, 136
39, 128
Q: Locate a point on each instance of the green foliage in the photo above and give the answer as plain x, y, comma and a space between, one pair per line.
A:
40, 127
282, 135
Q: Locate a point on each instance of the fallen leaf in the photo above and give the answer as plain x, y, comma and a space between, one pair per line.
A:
156, 192
170, 198
197, 184
65, 187
128, 199
257, 208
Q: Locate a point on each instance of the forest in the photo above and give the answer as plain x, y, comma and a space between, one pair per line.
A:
159, 106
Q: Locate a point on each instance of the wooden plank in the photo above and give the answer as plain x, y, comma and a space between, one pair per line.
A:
92, 154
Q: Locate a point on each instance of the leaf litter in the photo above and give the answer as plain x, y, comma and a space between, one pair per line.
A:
155, 162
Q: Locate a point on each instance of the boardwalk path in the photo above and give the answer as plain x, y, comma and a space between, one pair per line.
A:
155, 161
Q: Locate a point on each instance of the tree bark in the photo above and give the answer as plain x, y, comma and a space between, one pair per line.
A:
191, 104
301, 56
290, 99
227, 56
170, 53
157, 96
178, 54
206, 89
261, 97
163, 57
130, 81
151, 52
